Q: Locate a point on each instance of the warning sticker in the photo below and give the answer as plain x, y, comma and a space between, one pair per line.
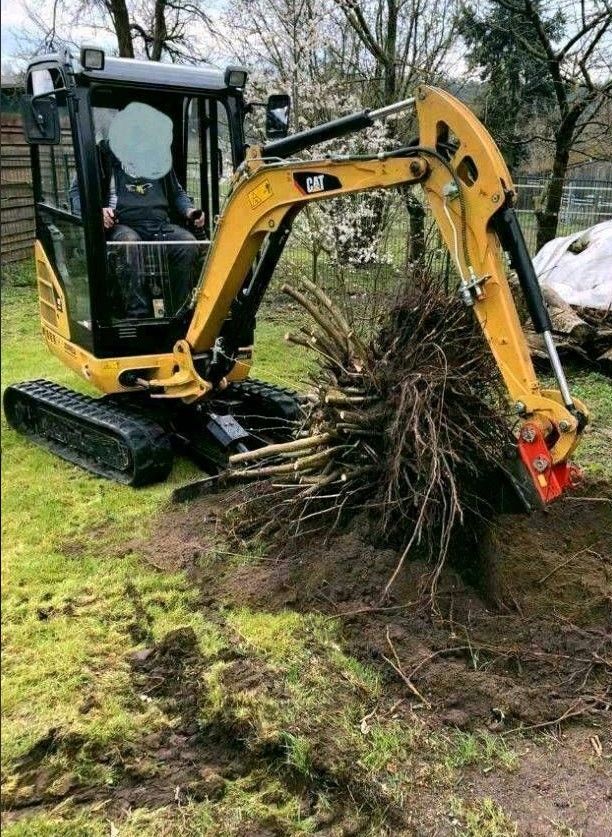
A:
260, 194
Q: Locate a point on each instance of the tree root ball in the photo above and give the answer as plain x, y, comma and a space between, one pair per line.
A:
406, 425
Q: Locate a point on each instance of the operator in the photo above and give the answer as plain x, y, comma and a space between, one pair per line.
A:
137, 210
143, 188
140, 190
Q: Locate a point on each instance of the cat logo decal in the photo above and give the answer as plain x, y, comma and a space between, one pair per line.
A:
313, 182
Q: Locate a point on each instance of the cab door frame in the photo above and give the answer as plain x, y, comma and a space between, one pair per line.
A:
63, 72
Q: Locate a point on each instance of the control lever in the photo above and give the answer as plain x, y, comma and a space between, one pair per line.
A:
198, 232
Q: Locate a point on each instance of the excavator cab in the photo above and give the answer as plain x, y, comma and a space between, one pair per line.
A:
170, 130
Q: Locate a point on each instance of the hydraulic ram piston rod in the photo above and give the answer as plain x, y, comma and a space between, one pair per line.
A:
390, 110
511, 238
557, 368
332, 130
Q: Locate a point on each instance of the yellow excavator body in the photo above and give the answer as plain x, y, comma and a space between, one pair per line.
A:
470, 194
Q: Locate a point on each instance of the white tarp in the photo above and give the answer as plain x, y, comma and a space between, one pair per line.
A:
581, 278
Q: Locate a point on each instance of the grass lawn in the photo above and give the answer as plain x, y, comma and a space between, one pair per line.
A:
69, 619
79, 599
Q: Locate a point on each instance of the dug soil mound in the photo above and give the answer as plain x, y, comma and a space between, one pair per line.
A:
519, 633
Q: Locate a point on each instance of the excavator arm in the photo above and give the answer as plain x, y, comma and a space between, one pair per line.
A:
470, 192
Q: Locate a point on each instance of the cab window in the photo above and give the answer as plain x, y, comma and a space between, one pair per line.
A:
148, 183
57, 197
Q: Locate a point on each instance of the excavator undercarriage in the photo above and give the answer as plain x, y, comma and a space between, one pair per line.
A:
132, 440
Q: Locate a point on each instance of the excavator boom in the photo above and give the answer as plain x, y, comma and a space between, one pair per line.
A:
470, 193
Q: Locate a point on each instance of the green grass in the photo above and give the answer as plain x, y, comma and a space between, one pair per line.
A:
54, 598
299, 755
482, 818
272, 635
46, 825
482, 749
593, 453
68, 619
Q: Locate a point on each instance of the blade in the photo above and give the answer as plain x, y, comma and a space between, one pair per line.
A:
198, 488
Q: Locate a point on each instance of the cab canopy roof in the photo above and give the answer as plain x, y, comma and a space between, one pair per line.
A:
141, 73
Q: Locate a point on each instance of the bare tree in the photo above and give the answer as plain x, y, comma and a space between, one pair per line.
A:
119, 17
154, 29
165, 28
569, 44
404, 42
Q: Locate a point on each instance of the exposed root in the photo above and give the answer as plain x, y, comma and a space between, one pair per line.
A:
407, 427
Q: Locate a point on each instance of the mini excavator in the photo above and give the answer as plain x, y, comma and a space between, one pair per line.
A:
180, 376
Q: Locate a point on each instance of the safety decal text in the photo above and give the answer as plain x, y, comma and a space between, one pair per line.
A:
260, 194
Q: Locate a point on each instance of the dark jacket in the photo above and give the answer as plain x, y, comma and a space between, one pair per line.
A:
135, 200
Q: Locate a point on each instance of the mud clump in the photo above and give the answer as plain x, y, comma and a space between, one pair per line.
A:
171, 672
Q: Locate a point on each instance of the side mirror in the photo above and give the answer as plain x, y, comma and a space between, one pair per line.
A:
40, 119
277, 116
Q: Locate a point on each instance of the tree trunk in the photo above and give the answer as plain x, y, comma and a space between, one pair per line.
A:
390, 49
415, 246
159, 30
120, 17
547, 218
417, 231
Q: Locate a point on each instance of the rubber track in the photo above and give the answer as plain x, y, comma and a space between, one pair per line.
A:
285, 403
98, 436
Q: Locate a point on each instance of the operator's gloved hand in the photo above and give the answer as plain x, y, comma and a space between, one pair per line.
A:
196, 216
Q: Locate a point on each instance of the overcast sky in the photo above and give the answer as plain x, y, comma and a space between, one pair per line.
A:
15, 22
13, 18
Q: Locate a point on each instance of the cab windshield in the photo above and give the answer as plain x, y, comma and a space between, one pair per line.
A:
159, 195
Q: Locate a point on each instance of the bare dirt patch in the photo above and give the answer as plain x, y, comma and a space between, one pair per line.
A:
559, 784
520, 632
520, 638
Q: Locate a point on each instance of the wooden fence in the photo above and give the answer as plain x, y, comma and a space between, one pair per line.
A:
16, 199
